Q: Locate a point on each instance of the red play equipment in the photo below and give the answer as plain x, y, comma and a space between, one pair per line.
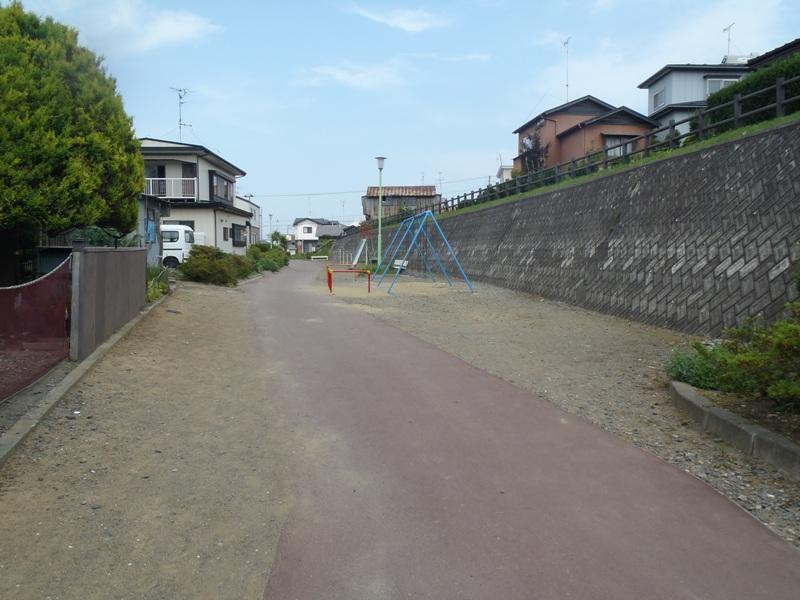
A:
354, 271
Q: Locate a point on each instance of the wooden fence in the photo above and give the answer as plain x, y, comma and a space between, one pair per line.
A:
771, 101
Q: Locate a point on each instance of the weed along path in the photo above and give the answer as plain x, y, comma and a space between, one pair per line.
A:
416, 475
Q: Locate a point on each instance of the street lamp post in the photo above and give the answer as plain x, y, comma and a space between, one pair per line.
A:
380, 160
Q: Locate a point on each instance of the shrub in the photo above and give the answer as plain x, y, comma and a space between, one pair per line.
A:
207, 264
266, 264
695, 368
753, 360
752, 82
242, 265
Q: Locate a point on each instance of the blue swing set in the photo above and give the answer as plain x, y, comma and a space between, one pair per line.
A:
409, 234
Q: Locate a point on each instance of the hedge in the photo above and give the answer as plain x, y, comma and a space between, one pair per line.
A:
753, 82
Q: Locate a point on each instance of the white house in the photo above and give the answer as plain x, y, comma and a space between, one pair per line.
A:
308, 231
504, 173
255, 221
675, 92
200, 186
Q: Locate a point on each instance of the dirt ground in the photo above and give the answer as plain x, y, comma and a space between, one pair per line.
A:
605, 369
152, 482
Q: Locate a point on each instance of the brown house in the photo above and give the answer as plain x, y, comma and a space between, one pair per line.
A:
399, 199
572, 130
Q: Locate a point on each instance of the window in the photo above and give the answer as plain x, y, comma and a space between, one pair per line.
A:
660, 98
188, 237
239, 234
222, 188
616, 144
225, 234
306, 229
715, 85
169, 236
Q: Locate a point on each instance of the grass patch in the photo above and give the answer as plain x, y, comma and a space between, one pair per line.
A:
157, 284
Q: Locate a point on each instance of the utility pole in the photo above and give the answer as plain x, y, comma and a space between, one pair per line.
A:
270, 225
182, 93
440, 182
728, 31
566, 48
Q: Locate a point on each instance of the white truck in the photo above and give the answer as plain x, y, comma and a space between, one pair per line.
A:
176, 244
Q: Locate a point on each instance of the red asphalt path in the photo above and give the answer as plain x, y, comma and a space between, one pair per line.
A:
417, 475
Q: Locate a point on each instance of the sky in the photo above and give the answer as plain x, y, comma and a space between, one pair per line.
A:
303, 95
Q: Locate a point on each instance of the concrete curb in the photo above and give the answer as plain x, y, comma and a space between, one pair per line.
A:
14, 436
740, 433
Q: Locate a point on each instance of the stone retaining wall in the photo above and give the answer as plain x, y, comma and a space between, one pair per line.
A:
696, 242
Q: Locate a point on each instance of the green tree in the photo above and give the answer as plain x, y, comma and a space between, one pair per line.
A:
68, 153
279, 240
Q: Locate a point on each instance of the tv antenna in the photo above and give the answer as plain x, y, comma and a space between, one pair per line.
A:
182, 93
566, 49
728, 31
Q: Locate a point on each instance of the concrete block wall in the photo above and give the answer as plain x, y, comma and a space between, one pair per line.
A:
696, 242
109, 288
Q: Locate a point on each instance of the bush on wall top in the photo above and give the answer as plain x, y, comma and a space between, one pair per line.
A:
753, 82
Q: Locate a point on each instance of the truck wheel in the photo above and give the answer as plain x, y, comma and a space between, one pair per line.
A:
171, 262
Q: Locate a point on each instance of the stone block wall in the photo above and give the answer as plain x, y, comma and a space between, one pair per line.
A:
696, 242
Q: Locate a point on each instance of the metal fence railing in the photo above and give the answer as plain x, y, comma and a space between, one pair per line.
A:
34, 333
771, 101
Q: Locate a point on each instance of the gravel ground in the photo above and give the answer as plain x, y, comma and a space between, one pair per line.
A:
607, 370
160, 474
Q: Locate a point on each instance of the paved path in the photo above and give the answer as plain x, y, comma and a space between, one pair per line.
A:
419, 476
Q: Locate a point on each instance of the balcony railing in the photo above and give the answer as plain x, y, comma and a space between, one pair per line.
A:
171, 187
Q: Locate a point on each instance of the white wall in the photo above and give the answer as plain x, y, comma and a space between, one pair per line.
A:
211, 222
298, 231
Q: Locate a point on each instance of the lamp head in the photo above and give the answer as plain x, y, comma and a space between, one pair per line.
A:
380, 160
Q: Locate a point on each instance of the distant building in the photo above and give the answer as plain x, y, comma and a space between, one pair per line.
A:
504, 173
572, 130
309, 231
676, 92
397, 199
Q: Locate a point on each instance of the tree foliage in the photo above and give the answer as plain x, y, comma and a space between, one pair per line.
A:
279, 239
68, 153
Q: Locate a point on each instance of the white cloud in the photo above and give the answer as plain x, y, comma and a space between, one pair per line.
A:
126, 26
361, 77
410, 20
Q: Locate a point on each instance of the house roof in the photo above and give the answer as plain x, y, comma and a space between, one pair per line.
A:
677, 105
575, 104
775, 54
412, 191
171, 147
721, 69
318, 221
223, 206
622, 112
